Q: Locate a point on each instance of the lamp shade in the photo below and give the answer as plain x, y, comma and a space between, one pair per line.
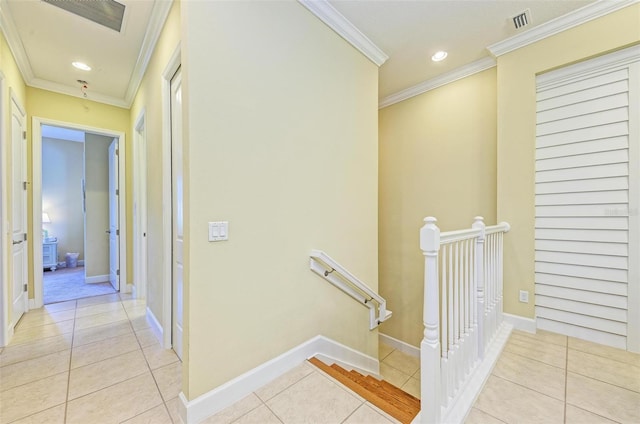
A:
45, 218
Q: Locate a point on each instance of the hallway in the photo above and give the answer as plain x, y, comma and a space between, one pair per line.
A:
94, 360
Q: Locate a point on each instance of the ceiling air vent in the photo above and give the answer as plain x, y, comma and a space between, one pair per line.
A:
107, 13
522, 19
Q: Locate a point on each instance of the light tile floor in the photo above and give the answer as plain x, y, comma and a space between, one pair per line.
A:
86, 361
550, 378
96, 360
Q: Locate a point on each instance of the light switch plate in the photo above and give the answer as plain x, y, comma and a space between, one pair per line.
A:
218, 231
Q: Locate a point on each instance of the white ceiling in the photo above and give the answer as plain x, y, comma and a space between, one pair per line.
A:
410, 32
46, 39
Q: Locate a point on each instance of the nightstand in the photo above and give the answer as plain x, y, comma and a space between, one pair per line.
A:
50, 254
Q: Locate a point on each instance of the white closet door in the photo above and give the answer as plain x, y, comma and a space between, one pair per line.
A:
586, 191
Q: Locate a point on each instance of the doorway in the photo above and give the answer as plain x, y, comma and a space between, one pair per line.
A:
76, 211
106, 261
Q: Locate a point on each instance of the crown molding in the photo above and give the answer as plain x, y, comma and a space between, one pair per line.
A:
75, 92
158, 17
13, 40
585, 14
323, 10
439, 81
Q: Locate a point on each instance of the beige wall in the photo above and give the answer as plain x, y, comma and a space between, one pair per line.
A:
60, 107
62, 174
149, 99
437, 158
13, 83
281, 141
516, 133
96, 163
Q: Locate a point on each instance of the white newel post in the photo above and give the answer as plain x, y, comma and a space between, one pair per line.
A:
430, 346
478, 223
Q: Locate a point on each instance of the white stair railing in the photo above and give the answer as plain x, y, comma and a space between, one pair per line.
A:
327, 268
462, 310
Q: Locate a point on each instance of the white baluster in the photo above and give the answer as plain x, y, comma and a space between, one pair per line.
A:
480, 279
430, 346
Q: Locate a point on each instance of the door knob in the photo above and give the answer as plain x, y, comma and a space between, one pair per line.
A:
17, 242
108, 231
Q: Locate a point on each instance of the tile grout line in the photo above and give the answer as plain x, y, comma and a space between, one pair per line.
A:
164, 402
533, 359
66, 403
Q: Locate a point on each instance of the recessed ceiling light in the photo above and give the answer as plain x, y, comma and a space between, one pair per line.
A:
82, 66
439, 56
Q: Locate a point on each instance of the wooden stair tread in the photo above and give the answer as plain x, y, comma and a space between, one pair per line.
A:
395, 392
394, 401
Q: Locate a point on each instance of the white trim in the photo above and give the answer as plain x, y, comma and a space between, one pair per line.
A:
580, 16
140, 205
583, 70
158, 17
156, 327
15, 43
521, 323
75, 92
208, 404
444, 79
4, 223
399, 345
32, 304
97, 279
36, 197
324, 11
167, 309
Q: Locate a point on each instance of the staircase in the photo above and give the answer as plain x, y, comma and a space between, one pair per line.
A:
392, 400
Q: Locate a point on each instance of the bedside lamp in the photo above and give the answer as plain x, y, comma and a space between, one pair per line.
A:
45, 220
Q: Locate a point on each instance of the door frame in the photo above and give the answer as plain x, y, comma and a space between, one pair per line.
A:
4, 275
36, 137
167, 210
140, 262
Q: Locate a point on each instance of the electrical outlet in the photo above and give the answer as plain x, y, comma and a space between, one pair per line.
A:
524, 296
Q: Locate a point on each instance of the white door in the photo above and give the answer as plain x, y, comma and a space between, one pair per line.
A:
140, 209
177, 195
114, 263
586, 200
19, 213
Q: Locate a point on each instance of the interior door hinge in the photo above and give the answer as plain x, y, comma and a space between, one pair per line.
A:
117, 152
24, 135
24, 185
118, 232
25, 287
117, 192
25, 236
118, 272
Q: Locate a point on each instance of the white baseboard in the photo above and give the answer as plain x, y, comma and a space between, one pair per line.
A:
126, 288
400, 345
460, 408
521, 323
97, 279
32, 304
156, 328
196, 410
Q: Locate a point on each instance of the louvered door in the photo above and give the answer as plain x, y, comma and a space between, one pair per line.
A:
586, 200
